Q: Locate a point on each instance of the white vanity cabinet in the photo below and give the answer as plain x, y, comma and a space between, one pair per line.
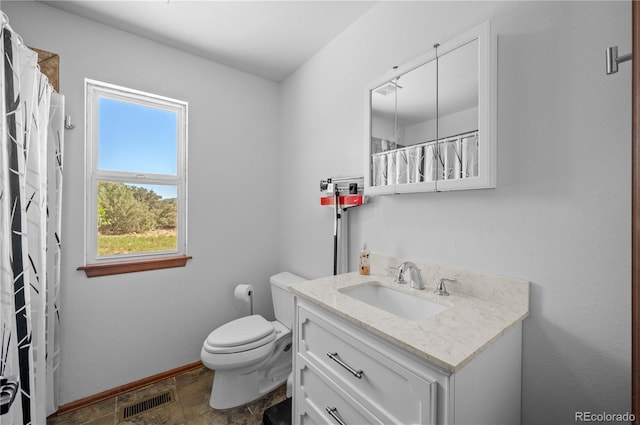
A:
344, 374
381, 387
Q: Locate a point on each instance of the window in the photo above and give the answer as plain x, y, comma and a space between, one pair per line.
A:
135, 176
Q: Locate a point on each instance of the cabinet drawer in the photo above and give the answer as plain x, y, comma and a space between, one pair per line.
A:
380, 384
307, 419
319, 400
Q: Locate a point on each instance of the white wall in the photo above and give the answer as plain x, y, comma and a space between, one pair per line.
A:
560, 216
121, 328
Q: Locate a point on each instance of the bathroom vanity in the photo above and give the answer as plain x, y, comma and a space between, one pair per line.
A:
359, 359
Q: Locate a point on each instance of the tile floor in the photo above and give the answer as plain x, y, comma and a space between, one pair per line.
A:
191, 406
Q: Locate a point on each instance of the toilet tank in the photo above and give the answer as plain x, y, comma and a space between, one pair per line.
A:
282, 297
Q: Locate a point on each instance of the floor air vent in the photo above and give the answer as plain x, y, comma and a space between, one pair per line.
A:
146, 405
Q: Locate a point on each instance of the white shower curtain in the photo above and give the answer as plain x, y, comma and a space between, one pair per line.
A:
30, 200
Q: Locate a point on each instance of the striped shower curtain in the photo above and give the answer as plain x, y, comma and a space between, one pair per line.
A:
31, 125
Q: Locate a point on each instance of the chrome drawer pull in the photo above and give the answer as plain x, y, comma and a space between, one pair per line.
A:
333, 412
356, 373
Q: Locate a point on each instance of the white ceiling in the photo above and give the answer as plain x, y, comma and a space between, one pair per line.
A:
270, 39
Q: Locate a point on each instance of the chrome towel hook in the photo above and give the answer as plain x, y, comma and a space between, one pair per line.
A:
613, 59
67, 123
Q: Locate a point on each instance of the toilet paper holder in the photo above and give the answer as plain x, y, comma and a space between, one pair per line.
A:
244, 292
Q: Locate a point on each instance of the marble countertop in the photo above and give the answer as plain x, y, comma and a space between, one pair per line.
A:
481, 308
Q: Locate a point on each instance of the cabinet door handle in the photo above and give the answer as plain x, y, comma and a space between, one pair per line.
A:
354, 372
333, 412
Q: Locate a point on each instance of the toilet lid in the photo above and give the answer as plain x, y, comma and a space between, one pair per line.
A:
240, 332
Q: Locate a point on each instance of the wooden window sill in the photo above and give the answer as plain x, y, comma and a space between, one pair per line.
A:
106, 269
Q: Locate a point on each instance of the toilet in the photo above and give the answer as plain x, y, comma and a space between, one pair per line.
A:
251, 356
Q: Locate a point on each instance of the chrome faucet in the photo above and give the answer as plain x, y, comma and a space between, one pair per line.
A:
414, 275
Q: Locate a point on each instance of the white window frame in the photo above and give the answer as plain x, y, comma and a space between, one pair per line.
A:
94, 90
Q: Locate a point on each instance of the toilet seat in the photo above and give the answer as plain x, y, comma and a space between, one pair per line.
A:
240, 335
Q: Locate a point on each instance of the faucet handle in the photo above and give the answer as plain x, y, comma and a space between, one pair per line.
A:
441, 289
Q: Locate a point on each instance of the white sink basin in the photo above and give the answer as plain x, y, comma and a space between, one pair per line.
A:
395, 302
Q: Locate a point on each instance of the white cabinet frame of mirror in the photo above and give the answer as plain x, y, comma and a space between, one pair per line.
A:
485, 175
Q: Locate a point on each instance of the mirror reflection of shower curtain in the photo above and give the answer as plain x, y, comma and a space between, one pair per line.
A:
470, 156
30, 152
431, 162
415, 164
391, 167
450, 159
401, 166
379, 169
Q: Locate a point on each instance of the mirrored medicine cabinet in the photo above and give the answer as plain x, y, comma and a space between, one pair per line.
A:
431, 122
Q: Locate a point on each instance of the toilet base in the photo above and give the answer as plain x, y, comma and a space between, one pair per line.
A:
231, 389
235, 387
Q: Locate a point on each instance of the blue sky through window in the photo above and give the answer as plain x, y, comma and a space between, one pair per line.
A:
166, 191
139, 139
